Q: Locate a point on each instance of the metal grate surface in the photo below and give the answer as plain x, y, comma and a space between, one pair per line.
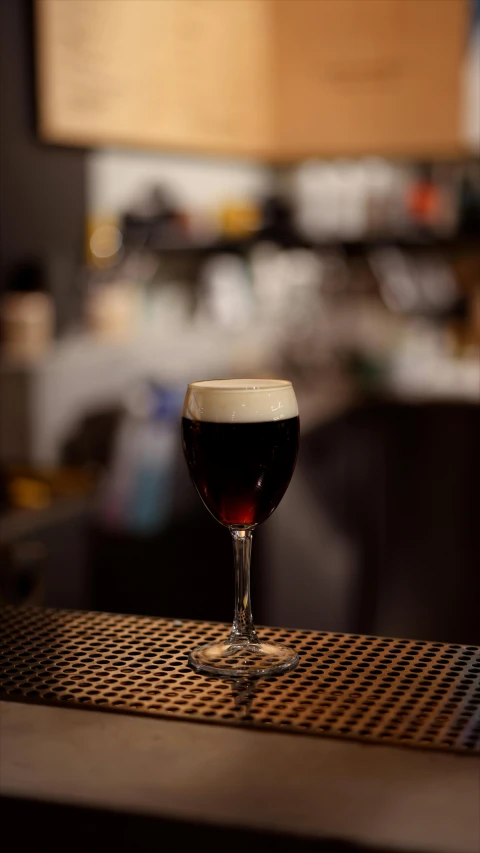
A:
382, 690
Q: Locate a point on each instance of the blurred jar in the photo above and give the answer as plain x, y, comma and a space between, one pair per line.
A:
111, 311
27, 323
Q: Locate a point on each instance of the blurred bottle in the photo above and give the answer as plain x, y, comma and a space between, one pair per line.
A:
225, 294
387, 188
26, 315
111, 310
354, 208
137, 492
317, 191
155, 220
431, 202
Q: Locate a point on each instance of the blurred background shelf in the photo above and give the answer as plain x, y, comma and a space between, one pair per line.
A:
340, 250
292, 241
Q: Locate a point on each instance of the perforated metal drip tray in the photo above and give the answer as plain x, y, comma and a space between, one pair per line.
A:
370, 688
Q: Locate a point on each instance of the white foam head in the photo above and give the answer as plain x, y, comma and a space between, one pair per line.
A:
246, 401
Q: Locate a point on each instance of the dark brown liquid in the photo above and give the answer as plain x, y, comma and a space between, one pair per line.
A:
241, 471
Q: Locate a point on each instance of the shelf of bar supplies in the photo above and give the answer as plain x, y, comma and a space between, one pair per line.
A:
180, 246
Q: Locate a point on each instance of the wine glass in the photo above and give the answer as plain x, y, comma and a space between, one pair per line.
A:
240, 440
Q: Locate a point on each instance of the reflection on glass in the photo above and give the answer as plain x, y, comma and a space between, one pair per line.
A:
243, 692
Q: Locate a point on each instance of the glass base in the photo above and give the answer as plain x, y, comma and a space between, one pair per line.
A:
242, 660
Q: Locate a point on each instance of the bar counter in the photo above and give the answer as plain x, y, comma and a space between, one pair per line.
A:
108, 737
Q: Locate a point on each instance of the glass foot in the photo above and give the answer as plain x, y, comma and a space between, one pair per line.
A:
236, 660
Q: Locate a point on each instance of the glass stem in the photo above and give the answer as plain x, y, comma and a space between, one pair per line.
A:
243, 630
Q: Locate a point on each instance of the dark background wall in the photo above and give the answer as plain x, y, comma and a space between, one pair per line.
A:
42, 187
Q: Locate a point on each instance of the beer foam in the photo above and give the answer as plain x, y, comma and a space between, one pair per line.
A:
239, 401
